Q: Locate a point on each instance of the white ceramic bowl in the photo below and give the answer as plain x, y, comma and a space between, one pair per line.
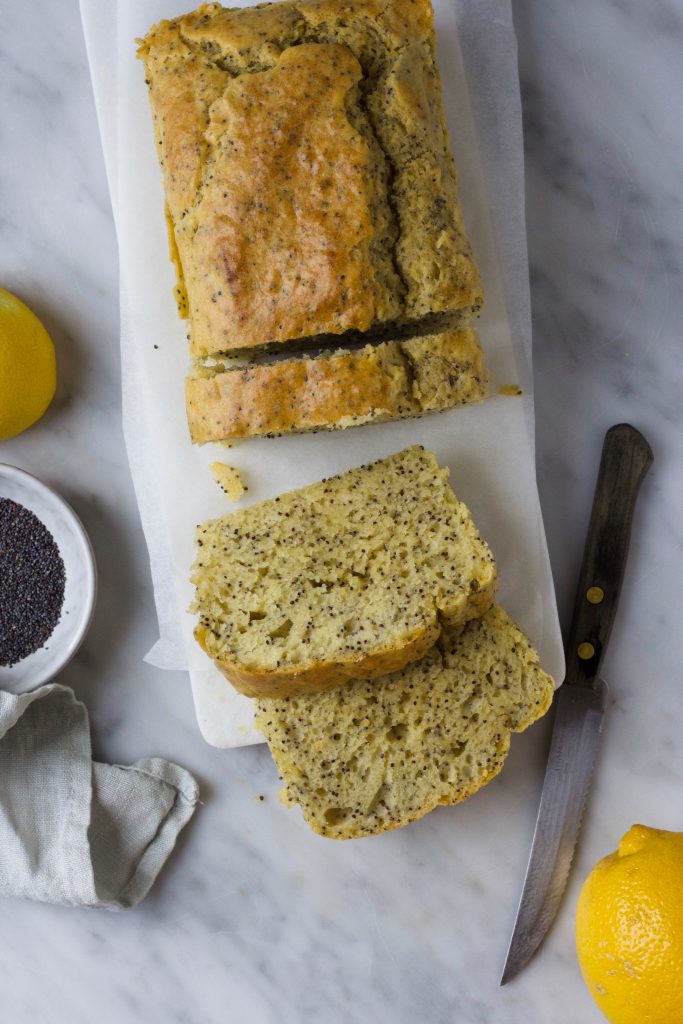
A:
80, 589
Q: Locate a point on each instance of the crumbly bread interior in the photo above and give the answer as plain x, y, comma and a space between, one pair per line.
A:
445, 370
362, 565
368, 757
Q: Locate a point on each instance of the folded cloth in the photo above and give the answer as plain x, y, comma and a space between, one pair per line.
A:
73, 831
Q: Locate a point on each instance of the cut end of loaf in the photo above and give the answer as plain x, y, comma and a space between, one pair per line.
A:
369, 757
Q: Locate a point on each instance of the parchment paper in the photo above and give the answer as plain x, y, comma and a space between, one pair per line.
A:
489, 448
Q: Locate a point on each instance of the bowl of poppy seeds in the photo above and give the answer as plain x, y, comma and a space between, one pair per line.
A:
48, 581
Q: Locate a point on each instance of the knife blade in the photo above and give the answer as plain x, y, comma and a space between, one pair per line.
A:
580, 702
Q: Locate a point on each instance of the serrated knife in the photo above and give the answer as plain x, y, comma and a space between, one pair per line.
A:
580, 702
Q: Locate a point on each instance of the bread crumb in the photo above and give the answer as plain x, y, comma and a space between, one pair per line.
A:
228, 479
510, 389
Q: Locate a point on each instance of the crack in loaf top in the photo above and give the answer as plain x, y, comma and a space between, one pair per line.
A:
307, 172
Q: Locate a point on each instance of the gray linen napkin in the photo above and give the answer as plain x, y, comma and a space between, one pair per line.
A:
73, 831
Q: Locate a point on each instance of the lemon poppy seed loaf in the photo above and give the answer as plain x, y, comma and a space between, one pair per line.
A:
368, 757
309, 183
350, 578
334, 390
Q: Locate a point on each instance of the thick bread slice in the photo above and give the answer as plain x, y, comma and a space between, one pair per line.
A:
309, 183
350, 578
368, 757
391, 381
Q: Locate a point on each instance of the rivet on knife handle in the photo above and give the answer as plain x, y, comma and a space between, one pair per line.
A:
626, 458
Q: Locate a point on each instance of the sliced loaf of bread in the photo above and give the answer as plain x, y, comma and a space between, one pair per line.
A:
390, 381
350, 578
368, 757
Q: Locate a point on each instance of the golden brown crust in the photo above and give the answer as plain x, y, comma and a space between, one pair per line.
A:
393, 380
307, 170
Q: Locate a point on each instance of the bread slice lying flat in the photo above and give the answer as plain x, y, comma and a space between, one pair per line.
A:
390, 381
350, 578
368, 757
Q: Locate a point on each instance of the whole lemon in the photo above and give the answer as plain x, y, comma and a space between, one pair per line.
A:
629, 929
28, 374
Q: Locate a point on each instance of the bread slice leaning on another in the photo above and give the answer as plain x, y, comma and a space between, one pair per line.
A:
368, 757
337, 389
350, 578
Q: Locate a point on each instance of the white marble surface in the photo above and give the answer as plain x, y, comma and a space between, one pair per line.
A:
255, 919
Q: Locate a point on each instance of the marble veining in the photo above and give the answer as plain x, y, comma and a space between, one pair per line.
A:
254, 918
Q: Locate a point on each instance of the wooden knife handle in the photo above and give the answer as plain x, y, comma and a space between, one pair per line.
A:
626, 458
